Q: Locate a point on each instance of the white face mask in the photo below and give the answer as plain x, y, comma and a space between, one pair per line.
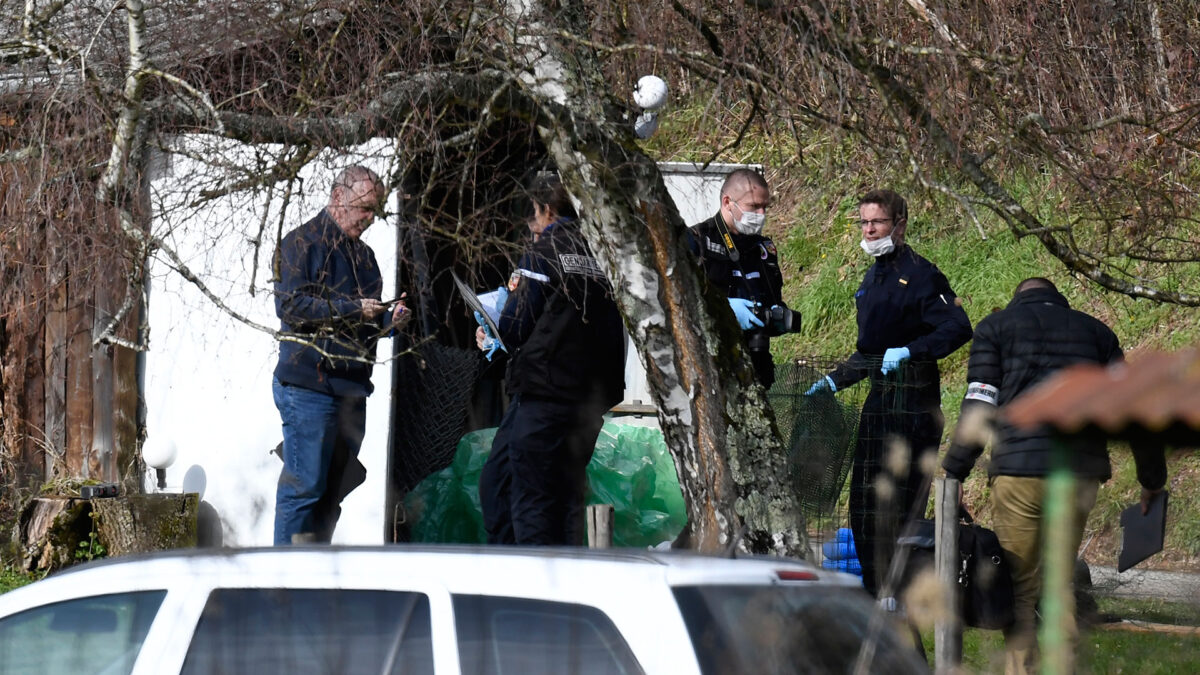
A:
882, 246
750, 222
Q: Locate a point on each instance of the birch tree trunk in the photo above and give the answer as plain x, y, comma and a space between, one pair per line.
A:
713, 413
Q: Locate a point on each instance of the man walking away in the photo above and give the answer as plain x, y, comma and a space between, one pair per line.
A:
1036, 335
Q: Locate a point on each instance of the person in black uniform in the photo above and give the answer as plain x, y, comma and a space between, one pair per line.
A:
566, 346
908, 318
742, 263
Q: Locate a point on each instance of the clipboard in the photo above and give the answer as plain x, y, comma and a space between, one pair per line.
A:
1142, 536
490, 317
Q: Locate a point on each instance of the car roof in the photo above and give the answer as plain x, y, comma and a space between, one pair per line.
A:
524, 571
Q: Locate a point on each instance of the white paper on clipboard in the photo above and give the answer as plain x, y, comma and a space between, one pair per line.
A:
484, 304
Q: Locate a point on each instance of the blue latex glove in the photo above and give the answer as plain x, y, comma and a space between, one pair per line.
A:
743, 309
892, 358
823, 384
501, 298
490, 344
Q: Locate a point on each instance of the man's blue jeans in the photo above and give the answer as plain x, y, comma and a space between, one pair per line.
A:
321, 437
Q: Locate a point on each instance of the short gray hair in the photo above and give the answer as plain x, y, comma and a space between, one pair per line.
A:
355, 174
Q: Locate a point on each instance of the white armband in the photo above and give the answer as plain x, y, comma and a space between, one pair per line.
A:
530, 274
978, 391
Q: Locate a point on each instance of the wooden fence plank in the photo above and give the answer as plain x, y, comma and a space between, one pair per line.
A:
79, 374
125, 418
947, 630
100, 461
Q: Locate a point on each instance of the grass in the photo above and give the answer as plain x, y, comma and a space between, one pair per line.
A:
1102, 650
10, 579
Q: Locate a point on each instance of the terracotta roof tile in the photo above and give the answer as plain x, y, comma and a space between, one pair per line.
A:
1153, 391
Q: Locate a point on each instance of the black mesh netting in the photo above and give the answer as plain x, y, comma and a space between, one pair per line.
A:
433, 391
820, 433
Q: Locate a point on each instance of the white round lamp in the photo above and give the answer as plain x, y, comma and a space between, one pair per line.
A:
650, 92
159, 454
195, 480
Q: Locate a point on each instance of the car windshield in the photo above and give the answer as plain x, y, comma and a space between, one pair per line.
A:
791, 629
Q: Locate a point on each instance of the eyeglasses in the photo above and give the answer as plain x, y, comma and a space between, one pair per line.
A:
874, 221
376, 211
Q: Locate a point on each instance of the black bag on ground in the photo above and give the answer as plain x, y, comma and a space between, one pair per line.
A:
984, 582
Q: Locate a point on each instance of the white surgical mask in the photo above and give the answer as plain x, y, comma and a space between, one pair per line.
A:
750, 222
881, 246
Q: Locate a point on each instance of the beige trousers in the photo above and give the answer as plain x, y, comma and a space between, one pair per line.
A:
1017, 516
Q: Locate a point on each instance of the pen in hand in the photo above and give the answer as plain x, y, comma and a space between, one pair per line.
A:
400, 313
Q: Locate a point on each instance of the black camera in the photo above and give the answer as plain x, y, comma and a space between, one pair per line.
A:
777, 320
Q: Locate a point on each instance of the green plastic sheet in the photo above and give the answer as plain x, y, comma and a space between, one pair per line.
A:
631, 469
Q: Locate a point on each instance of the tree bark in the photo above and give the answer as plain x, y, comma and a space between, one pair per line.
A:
141, 523
713, 413
58, 531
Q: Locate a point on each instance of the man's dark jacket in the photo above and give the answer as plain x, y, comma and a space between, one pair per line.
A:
754, 275
1013, 350
322, 277
560, 324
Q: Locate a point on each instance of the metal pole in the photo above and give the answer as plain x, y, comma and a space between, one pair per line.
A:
1059, 561
947, 631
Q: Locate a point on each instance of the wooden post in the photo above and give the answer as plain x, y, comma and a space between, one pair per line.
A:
599, 525
947, 636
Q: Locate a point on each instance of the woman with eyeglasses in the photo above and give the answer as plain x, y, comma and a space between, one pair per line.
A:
908, 319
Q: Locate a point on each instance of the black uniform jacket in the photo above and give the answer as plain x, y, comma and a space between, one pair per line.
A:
1016, 348
905, 301
560, 323
755, 276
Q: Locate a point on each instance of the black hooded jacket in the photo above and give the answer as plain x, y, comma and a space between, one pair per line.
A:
560, 323
1018, 347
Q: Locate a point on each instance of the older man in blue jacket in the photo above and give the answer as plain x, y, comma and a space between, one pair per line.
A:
327, 296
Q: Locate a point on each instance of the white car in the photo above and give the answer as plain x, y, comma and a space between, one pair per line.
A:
401, 609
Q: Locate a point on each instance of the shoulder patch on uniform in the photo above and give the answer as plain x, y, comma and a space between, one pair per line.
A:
573, 263
530, 274
763, 252
978, 391
770, 246
513, 281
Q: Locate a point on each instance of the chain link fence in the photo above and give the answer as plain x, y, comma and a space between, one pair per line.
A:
824, 432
